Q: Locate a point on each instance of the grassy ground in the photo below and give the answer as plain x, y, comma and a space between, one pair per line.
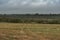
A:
18, 31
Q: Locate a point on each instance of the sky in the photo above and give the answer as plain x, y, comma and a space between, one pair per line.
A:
29, 6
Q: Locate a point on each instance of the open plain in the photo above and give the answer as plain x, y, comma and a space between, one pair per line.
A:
23, 31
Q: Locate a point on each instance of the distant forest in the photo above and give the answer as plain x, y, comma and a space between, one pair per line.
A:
31, 18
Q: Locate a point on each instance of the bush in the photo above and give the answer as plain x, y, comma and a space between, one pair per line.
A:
42, 21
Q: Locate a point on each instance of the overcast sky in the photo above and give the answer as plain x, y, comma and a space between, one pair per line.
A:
29, 6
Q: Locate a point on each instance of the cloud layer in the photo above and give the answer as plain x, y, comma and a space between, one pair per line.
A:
42, 6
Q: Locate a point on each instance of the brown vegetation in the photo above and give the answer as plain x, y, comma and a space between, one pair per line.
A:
17, 31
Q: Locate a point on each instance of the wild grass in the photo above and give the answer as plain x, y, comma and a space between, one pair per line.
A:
23, 31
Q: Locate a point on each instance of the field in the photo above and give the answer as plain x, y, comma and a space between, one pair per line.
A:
24, 31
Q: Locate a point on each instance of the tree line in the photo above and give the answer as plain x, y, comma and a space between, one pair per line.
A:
40, 21
31, 18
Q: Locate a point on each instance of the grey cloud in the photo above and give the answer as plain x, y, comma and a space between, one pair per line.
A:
30, 5
3, 1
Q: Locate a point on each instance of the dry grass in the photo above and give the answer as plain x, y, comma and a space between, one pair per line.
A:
18, 31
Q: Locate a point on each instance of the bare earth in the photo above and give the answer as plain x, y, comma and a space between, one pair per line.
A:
18, 31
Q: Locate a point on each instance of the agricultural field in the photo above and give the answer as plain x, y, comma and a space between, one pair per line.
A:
24, 31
